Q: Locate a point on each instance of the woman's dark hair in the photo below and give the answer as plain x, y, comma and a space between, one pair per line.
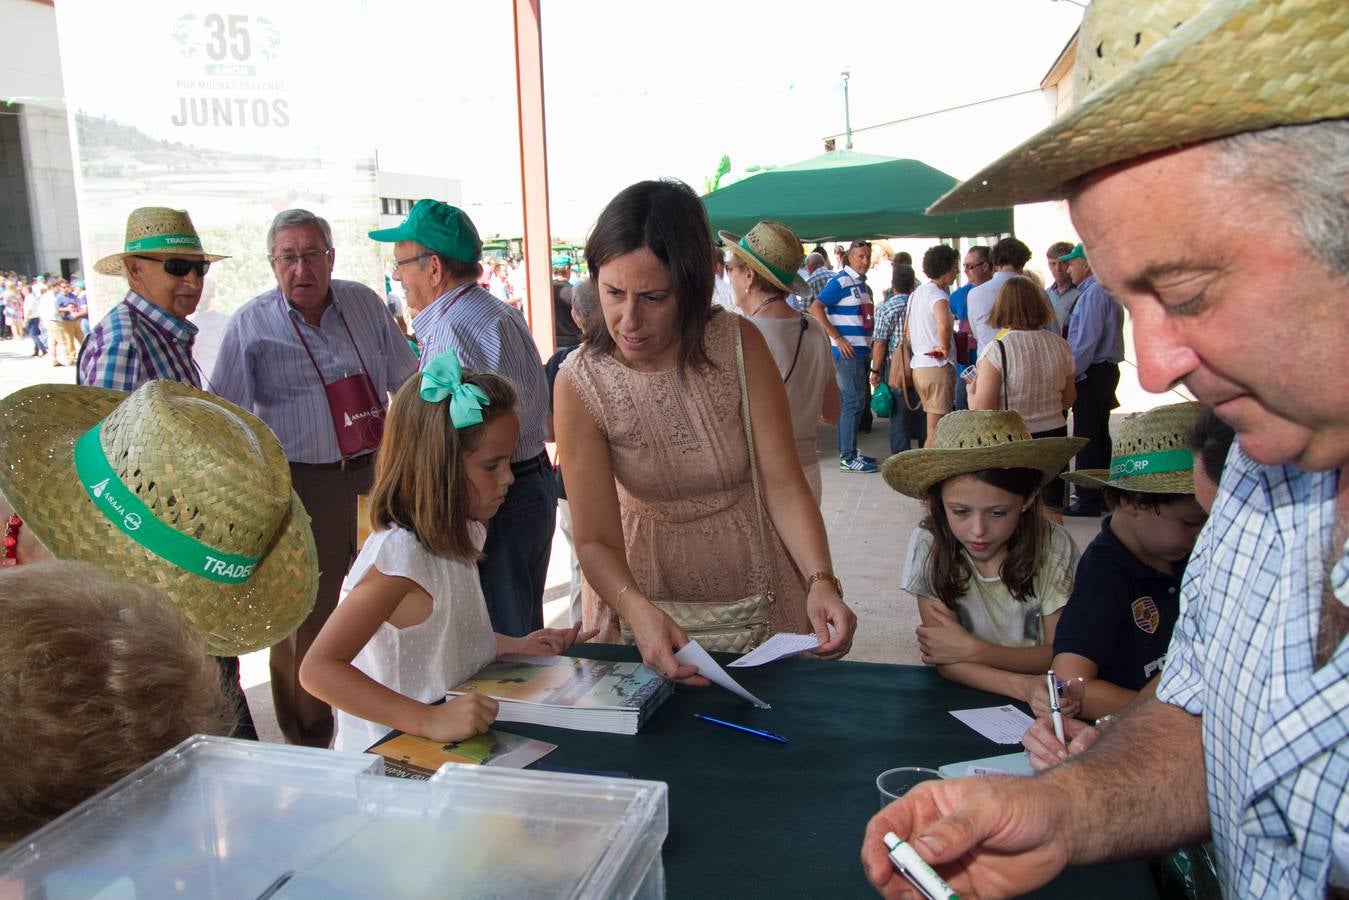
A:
949, 569
903, 280
1210, 439
667, 218
938, 260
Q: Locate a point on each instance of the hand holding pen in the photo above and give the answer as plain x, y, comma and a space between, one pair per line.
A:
1055, 712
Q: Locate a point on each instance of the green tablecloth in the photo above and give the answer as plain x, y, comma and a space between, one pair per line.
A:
751, 818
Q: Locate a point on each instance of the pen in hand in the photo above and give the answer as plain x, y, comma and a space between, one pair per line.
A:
1054, 711
766, 735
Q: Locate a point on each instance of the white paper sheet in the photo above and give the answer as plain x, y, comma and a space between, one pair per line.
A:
693, 654
1003, 724
775, 648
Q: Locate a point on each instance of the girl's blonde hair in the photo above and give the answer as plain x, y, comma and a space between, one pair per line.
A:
420, 483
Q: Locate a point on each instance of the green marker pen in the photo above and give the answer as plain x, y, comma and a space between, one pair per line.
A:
919, 873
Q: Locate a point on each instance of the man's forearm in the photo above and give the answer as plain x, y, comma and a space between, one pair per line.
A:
1140, 790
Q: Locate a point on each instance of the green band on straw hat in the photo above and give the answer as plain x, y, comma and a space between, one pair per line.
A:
165, 242
124, 509
1151, 463
782, 275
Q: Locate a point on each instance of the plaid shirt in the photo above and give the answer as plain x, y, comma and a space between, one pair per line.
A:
889, 324
138, 342
1276, 730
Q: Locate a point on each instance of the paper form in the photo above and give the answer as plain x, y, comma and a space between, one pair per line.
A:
1003, 724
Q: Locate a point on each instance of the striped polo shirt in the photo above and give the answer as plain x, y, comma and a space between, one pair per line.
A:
843, 297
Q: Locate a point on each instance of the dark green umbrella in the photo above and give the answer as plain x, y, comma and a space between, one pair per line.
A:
845, 194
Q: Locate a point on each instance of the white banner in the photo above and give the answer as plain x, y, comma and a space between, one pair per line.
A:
233, 111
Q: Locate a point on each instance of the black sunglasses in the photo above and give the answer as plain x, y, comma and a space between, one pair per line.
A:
855, 244
179, 268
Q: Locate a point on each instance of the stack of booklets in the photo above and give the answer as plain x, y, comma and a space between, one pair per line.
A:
581, 694
409, 756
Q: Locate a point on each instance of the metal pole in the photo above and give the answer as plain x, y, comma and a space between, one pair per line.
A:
847, 113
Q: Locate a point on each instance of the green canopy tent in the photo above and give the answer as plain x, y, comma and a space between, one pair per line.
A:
845, 194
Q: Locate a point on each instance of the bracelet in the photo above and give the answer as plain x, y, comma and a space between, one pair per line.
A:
875, 371
824, 576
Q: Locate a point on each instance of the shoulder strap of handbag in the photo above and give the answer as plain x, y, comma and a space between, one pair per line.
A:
1006, 374
800, 335
753, 466
895, 361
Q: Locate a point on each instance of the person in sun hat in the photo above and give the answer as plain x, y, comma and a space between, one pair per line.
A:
1205, 166
169, 487
1117, 625
990, 573
436, 251
147, 335
762, 270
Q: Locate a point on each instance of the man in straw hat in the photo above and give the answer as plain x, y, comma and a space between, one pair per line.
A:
1206, 167
147, 335
436, 251
316, 358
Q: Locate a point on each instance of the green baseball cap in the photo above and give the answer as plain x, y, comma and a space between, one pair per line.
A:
561, 261
436, 226
1075, 253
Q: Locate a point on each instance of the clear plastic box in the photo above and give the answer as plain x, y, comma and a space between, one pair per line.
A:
215, 817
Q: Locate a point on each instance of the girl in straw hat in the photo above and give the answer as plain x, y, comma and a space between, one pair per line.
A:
761, 268
412, 621
990, 573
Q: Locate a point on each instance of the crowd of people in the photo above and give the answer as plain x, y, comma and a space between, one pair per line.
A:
51, 312
683, 399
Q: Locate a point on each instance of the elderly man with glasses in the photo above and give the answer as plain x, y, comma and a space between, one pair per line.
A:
316, 358
147, 336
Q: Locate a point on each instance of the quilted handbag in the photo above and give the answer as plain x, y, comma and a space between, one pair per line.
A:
731, 626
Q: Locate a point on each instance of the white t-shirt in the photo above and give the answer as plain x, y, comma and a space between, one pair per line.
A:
923, 325
980, 301
988, 610
423, 660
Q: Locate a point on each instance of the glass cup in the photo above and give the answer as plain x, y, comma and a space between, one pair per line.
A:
895, 783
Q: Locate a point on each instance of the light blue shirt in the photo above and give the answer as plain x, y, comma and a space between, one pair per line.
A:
490, 336
1096, 328
263, 367
1275, 729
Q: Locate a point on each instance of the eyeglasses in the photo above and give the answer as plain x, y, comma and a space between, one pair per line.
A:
312, 258
399, 263
975, 265
179, 268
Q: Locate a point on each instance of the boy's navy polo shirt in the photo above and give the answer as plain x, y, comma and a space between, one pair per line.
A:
1121, 612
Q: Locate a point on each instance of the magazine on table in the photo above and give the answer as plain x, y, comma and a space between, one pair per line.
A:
568, 692
410, 756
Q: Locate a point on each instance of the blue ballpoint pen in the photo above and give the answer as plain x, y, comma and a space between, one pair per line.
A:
766, 735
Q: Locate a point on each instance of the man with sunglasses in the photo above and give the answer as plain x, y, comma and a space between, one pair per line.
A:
147, 336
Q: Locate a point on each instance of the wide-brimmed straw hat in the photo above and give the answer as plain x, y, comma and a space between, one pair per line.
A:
1152, 76
156, 229
971, 441
1151, 455
774, 251
168, 486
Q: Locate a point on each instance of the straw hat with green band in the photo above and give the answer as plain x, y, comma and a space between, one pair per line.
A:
167, 486
971, 441
1153, 76
155, 229
1151, 455
774, 251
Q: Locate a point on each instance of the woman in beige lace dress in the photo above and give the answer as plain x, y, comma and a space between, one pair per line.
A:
658, 471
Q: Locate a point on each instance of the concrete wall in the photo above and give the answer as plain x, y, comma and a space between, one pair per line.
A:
51, 187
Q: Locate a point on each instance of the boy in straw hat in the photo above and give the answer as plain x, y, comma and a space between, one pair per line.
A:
147, 335
1118, 622
1194, 120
